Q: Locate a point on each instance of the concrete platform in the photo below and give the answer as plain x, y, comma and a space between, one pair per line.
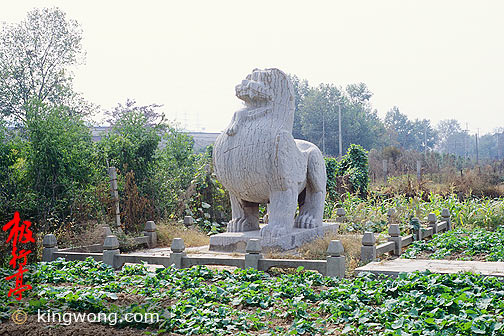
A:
396, 266
237, 241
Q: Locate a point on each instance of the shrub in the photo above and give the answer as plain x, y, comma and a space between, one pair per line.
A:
132, 142
174, 171
348, 175
13, 169
206, 199
61, 162
355, 165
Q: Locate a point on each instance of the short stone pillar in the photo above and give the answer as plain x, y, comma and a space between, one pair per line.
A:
150, 232
432, 219
391, 215
106, 231
446, 217
110, 250
50, 246
416, 228
188, 220
253, 253
395, 236
177, 252
340, 215
335, 260
368, 248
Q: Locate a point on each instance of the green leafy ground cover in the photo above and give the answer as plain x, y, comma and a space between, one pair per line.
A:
461, 243
244, 302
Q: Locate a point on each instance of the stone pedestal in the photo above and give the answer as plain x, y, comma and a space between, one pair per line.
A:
237, 241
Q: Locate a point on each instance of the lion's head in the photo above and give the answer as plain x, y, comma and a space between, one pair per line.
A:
265, 86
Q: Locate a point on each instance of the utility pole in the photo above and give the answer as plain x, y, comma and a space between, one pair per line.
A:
477, 148
323, 132
466, 154
498, 146
425, 141
339, 132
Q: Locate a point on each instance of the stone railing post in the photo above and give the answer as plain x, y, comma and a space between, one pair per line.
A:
106, 231
368, 248
445, 216
110, 250
391, 215
50, 246
177, 252
253, 253
432, 219
395, 236
150, 231
188, 220
340, 215
335, 260
417, 230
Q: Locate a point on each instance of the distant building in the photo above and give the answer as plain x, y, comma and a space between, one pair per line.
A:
202, 140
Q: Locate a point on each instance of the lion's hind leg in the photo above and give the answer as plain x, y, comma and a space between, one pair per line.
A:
311, 212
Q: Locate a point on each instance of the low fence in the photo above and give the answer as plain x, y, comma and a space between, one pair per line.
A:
333, 266
370, 251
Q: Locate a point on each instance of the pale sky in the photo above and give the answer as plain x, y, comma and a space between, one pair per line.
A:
434, 59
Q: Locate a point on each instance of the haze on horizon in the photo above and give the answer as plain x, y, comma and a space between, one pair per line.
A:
432, 59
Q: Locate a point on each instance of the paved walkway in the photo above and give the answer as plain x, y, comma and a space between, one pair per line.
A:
201, 251
396, 266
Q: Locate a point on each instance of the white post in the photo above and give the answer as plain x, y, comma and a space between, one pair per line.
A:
253, 255
110, 250
115, 195
335, 260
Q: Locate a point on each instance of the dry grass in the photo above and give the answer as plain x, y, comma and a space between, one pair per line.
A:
192, 236
351, 243
91, 234
317, 250
480, 181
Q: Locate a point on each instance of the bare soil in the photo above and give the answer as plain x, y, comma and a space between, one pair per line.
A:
34, 328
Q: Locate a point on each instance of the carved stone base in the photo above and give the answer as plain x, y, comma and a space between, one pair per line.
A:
237, 241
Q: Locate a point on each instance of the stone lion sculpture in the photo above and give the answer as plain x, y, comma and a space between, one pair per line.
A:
258, 161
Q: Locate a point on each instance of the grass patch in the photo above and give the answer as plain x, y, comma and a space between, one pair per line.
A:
192, 236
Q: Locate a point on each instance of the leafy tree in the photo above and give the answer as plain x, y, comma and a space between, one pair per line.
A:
408, 134
361, 124
319, 116
301, 89
452, 139
13, 179
422, 131
35, 57
488, 146
399, 128
133, 139
61, 160
175, 169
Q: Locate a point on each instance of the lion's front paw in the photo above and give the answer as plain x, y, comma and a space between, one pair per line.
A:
306, 221
270, 231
